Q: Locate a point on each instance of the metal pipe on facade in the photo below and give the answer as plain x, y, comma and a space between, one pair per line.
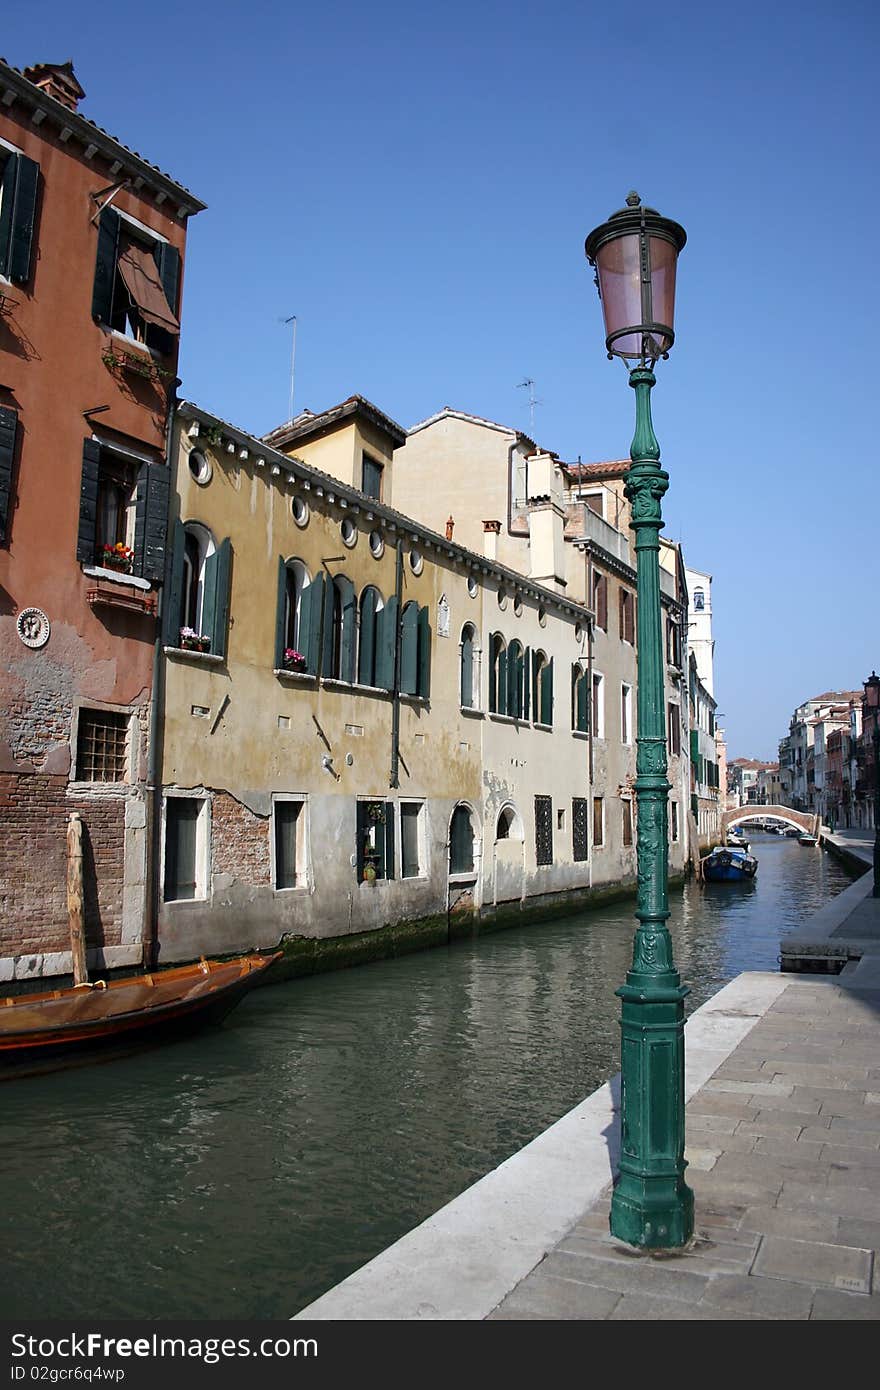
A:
394, 780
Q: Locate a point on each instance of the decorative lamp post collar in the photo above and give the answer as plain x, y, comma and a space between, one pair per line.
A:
634, 255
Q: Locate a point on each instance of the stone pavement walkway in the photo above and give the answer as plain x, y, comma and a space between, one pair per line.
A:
783, 1143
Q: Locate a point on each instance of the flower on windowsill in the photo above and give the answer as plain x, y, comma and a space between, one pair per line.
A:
293, 660
376, 812
192, 641
117, 557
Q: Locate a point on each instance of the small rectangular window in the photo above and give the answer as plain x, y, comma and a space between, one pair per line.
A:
375, 840
673, 714
371, 478
101, 746
598, 821
626, 714
627, 822
289, 850
673, 820
598, 705
182, 847
410, 837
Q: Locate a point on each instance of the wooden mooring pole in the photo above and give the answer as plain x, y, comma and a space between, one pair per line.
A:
75, 899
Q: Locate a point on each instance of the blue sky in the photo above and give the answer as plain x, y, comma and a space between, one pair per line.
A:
416, 184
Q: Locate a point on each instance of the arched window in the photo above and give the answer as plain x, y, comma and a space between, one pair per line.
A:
468, 685
371, 605
498, 675
461, 842
580, 699
699, 600
509, 825
296, 581
542, 688
198, 545
340, 607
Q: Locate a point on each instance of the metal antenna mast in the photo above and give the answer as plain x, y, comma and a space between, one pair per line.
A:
292, 320
533, 401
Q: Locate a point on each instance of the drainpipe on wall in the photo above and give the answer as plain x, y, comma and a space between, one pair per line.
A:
153, 795
394, 780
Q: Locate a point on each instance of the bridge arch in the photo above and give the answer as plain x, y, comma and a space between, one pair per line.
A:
805, 821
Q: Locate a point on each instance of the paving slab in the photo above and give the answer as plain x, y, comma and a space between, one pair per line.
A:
838, 1267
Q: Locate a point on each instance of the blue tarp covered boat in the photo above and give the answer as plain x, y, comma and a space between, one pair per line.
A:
729, 865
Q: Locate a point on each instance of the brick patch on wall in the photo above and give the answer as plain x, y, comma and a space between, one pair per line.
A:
240, 841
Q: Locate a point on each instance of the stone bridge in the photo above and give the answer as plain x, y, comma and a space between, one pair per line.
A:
805, 821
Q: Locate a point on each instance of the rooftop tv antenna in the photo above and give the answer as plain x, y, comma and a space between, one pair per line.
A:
533, 401
292, 320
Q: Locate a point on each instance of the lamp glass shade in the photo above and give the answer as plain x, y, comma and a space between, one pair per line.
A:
635, 254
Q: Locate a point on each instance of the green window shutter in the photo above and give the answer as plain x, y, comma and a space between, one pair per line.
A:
167, 258
215, 609
525, 683
424, 676
23, 213
367, 644
502, 681
151, 522
547, 693
88, 502
695, 745
386, 643
583, 709
281, 613
409, 649
466, 688
105, 265
349, 629
173, 595
493, 676
389, 839
311, 609
327, 667
8, 433
513, 663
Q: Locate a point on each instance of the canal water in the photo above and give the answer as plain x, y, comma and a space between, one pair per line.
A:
242, 1172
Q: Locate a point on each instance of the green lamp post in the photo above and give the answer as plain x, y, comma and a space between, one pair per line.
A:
872, 702
634, 254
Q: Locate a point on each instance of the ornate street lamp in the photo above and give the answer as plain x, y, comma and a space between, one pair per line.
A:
635, 254
872, 700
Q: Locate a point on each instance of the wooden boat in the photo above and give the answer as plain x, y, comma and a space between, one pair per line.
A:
65, 1023
737, 840
729, 866
808, 840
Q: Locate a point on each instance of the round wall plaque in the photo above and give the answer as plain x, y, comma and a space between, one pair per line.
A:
32, 626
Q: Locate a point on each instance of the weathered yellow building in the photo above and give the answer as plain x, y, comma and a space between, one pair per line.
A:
365, 721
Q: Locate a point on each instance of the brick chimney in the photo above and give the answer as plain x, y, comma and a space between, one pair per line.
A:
57, 80
491, 532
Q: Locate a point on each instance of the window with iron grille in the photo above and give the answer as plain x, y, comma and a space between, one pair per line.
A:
543, 830
101, 746
579, 813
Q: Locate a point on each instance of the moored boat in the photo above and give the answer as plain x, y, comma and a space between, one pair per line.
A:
729, 865
808, 840
48, 1029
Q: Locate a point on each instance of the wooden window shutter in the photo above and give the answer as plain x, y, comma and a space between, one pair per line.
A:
526, 682
173, 595
361, 828
466, 687
281, 613
349, 629
105, 265
20, 180
88, 502
215, 610
424, 638
409, 650
327, 615
513, 666
493, 676
547, 693
367, 643
386, 643
310, 618
8, 434
502, 682
151, 522
167, 258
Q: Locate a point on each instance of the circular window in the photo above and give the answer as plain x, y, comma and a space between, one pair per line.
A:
349, 531
502, 599
542, 617
199, 467
416, 561
377, 544
300, 509
472, 586
517, 606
